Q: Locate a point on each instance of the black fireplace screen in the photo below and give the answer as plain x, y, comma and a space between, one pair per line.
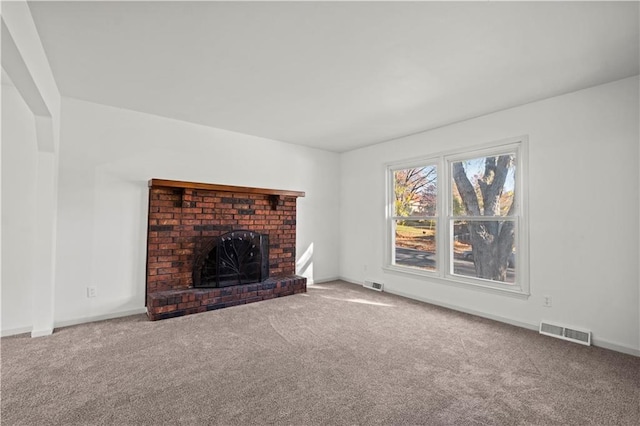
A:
238, 257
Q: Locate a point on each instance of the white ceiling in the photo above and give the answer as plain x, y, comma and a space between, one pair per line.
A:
333, 75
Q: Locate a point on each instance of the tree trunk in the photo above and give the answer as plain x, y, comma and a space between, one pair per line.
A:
492, 244
491, 241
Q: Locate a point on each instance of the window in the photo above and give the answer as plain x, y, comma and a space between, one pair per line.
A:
459, 217
414, 221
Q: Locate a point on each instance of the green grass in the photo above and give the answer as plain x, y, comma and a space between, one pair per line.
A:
413, 231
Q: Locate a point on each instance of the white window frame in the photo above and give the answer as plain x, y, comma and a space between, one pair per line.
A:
437, 217
444, 218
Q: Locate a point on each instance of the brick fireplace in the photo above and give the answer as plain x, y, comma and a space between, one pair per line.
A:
190, 224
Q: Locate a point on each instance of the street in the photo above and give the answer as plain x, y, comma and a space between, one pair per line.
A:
426, 260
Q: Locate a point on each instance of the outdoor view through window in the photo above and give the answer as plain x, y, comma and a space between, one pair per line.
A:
481, 218
415, 218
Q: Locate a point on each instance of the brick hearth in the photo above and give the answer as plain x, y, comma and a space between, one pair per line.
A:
174, 303
181, 214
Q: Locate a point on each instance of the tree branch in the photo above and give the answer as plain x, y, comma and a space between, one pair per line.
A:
467, 193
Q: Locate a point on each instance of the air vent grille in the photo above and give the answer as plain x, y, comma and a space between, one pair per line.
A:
576, 335
565, 333
373, 286
551, 329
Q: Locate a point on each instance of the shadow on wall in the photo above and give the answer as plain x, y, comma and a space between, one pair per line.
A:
304, 265
118, 242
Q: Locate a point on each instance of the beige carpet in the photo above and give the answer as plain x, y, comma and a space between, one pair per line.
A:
339, 354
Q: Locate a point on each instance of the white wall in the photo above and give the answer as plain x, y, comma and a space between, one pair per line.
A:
26, 64
584, 209
19, 167
107, 156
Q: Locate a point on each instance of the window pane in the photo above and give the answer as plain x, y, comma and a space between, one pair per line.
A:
484, 249
484, 186
415, 191
416, 244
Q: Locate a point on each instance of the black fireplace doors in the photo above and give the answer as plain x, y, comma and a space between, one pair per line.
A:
237, 257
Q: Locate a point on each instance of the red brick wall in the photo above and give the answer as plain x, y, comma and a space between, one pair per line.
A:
179, 217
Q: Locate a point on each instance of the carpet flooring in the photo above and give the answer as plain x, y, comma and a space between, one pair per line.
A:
339, 354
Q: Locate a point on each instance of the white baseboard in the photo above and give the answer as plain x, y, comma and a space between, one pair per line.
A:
14, 331
311, 281
614, 347
75, 321
111, 315
42, 332
351, 280
467, 311
594, 341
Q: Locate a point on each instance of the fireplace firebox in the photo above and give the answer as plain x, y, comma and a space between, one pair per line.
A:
235, 258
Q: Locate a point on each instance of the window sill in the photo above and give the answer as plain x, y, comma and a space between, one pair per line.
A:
434, 277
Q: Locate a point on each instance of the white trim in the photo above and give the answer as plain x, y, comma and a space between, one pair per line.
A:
494, 146
112, 315
604, 344
516, 146
311, 281
15, 331
42, 332
351, 281
614, 347
432, 160
457, 282
444, 216
465, 310
483, 218
390, 217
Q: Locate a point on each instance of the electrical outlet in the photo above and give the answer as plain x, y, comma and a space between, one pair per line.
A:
92, 292
547, 301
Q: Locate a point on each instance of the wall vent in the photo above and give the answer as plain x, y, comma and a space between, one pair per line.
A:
565, 333
373, 286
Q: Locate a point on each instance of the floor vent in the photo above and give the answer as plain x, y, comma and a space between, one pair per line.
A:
373, 286
571, 334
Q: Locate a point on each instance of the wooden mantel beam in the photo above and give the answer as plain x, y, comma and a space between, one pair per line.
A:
224, 188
